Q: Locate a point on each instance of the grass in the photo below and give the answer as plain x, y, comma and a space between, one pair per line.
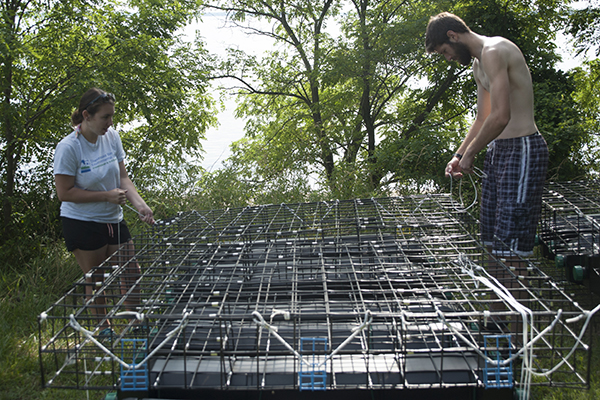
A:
29, 289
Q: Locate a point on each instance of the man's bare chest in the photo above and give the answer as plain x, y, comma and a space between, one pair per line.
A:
481, 77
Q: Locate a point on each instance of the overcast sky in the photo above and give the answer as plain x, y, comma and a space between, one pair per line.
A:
218, 37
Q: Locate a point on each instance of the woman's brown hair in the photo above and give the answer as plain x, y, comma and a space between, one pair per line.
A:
91, 101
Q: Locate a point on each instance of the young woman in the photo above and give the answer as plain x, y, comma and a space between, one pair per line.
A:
92, 184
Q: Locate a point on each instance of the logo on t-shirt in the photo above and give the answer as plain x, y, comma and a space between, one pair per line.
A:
85, 167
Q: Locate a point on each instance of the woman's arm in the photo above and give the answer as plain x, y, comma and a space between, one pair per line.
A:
66, 191
134, 197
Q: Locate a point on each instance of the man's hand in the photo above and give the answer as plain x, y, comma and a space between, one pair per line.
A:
453, 168
466, 164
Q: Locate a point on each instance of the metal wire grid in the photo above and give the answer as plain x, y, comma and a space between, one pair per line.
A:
570, 223
311, 270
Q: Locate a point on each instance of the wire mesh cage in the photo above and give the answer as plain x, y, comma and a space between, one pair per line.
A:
570, 229
398, 288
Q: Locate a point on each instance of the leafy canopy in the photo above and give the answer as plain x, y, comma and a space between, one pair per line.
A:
52, 52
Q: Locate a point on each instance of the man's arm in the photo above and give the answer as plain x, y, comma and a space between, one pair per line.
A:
483, 110
495, 65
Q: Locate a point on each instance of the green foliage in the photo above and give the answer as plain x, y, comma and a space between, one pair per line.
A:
347, 105
238, 185
366, 109
26, 290
587, 94
583, 26
587, 97
531, 26
52, 52
559, 119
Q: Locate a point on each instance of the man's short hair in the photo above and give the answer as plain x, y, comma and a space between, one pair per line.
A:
438, 27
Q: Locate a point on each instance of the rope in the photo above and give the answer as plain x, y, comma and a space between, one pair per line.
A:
260, 321
504, 294
588, 316
491, 361
355, 331
477, 172
89, 335
469, 267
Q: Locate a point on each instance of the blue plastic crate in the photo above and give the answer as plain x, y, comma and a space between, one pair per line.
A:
497, 376
137, 378
313, 377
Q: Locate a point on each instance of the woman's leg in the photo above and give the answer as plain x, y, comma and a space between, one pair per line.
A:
87, 260
126, 257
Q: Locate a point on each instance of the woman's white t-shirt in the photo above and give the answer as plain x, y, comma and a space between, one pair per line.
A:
95, 166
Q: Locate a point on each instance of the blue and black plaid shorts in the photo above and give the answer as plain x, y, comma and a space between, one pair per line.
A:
512, 193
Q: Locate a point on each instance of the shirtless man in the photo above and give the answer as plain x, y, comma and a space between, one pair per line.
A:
517, 155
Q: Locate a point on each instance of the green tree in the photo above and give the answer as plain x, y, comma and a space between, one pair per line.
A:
388, 114
287, 82
396, 107
320, 105
560, 118
51, 52
376, 61
586, 95
583, 26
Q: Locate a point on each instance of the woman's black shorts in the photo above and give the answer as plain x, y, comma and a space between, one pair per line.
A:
88, 235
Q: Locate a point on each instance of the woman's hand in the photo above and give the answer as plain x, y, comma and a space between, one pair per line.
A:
146, 214
117, 196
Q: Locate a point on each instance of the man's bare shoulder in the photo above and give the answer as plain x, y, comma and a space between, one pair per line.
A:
498, 46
